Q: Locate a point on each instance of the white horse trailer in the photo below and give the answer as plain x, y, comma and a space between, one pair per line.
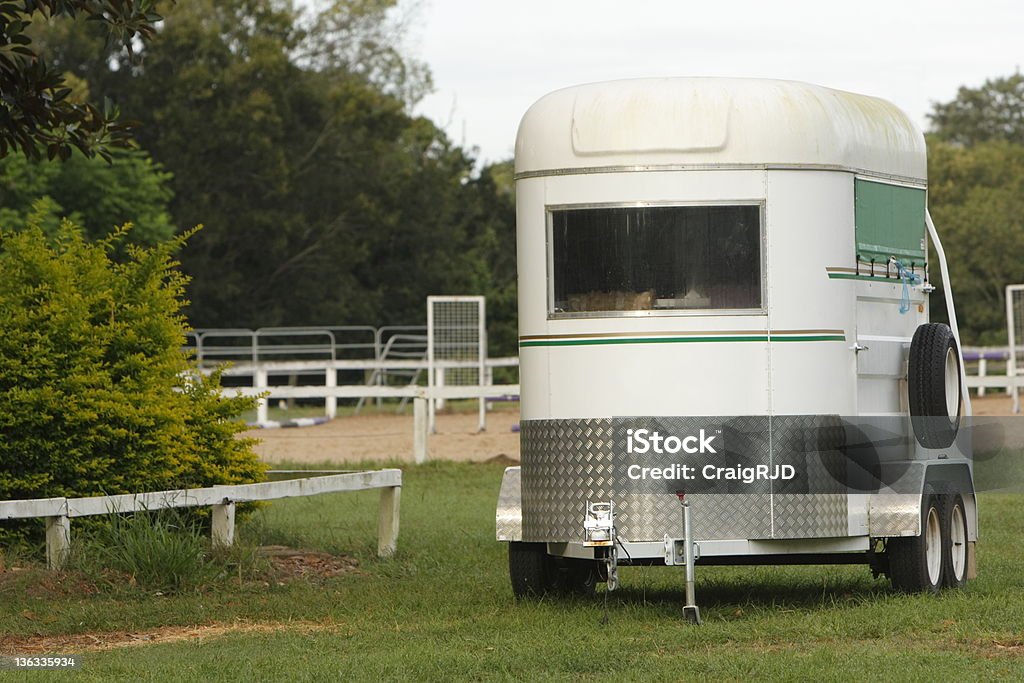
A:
729, 278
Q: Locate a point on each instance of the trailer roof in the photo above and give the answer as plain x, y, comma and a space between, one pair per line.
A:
693, 122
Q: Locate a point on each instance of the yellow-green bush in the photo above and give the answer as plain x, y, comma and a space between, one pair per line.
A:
96, 395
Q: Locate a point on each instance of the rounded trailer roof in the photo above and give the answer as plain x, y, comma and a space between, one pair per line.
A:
720, 122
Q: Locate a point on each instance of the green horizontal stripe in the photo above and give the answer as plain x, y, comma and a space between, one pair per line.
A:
681, 340
811, 337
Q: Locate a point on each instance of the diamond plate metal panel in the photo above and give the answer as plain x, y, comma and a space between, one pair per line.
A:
814, 504
566, 463
509, 517
894, 514
809, 515
722, 516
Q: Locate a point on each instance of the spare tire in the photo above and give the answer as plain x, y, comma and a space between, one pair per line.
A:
933, 379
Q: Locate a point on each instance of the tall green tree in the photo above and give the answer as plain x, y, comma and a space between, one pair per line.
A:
97, 195
289, 134
993, 112
38, 116
289, 137
976, 197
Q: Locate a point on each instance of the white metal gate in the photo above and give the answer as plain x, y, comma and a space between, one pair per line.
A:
1015, 336
456, 346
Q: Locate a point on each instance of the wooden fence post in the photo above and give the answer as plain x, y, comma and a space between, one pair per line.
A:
420, 430
387, 520
260, 383
222, 530
58, 541
331, 402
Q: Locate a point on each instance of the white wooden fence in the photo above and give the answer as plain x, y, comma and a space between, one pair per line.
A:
976, 361
330, 391
59, 512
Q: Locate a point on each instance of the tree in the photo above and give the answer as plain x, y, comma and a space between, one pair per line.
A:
97, 195
993, 112
37, 114
976, 197
278, 162
364, 38
492, 195
290, 138
96, 395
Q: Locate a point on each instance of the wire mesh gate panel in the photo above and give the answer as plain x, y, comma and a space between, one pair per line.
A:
456, 332
1015, 337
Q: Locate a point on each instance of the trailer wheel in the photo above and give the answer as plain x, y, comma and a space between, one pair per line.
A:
954, 543
915, 563
933, 380
530, 569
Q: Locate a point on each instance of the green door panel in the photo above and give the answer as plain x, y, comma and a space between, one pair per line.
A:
889, 221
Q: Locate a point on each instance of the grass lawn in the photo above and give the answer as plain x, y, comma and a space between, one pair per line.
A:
443, 609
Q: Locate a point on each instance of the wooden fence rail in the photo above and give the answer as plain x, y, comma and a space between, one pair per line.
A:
59, 512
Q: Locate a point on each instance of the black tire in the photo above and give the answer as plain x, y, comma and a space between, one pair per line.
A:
909, 568
954, 541
932, 401
530, 569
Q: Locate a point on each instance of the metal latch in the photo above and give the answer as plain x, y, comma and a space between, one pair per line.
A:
599, 525
599, 532
675, 551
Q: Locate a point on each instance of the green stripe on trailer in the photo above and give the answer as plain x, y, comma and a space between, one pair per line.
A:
682, 340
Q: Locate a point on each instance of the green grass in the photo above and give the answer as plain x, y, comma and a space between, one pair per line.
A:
443, 609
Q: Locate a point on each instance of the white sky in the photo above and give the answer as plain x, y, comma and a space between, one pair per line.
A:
491, 60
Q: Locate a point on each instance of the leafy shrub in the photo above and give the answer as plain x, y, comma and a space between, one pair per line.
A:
96, 395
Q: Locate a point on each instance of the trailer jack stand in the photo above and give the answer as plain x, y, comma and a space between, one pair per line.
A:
686, 557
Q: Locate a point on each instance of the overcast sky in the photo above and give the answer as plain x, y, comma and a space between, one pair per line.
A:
491, 60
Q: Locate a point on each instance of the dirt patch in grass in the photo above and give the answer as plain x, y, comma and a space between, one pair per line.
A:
288, 563
280, 564
998, 648
111, 640
40, 583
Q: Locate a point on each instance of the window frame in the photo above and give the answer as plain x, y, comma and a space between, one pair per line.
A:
550, 209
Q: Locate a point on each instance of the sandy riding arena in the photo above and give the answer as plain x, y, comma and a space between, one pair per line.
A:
385, 436
389, 437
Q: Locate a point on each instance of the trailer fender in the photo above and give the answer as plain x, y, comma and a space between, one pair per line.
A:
509, 517
899, 514
957, 477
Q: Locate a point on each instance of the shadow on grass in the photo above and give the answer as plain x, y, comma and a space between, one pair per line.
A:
774, 594
735, 595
